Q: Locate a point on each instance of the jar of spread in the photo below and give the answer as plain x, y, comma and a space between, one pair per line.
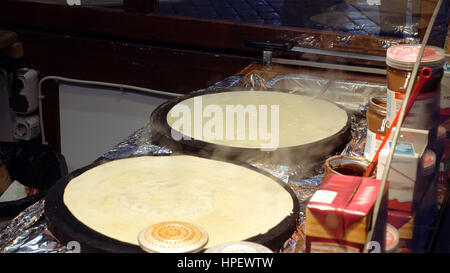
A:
346, 165
376, 125
400, 62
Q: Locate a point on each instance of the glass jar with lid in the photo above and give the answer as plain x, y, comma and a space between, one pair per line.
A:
376, 125
400, 61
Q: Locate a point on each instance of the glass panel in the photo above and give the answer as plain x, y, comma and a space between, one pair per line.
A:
385, 22
399, 18
403, 19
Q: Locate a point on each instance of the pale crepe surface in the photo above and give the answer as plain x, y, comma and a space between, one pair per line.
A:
120, 198
302, 119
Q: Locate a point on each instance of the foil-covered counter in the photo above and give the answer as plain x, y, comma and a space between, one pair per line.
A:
28, 232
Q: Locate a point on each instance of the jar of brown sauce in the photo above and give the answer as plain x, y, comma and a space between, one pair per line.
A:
400, 61
345, 165
376, 125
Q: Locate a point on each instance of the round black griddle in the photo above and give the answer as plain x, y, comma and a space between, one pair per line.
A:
67, 228
308, 156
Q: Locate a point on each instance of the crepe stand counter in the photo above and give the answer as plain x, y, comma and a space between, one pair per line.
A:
35, 227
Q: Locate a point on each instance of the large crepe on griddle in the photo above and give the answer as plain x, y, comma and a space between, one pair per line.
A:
301, 119
120, 198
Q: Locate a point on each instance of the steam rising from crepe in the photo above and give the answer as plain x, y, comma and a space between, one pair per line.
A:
302, 120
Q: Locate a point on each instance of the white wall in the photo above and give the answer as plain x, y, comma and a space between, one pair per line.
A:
94, 120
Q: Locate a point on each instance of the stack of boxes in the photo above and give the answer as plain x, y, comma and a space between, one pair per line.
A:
410, 202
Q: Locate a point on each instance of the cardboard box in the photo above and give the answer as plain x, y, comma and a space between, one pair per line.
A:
405, 187
338, 216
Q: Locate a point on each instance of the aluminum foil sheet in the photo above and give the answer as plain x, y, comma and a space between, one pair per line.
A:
359, 132
139, 143
21, 223
28, 232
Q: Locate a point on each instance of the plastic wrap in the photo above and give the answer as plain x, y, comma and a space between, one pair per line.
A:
253, 82
28, 231
353, 96
307, 40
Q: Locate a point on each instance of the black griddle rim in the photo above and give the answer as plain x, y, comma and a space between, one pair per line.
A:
160, 127
65, 227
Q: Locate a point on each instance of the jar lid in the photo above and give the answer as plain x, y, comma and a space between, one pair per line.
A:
173, 237
404, 56
392, 239
428, 162
378, 104
239, 247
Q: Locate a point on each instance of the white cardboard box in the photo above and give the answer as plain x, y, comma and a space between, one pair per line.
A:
405, 168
